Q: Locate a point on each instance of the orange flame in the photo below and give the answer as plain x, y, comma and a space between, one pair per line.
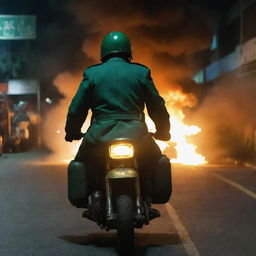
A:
178, 149
186, 152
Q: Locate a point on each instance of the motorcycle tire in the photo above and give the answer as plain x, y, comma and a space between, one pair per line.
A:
124, 224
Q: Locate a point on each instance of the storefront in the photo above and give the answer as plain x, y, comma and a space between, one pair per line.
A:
19, 99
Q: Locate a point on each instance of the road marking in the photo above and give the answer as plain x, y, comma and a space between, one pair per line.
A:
183, 233
236, 185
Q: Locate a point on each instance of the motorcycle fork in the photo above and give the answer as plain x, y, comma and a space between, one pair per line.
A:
109, 204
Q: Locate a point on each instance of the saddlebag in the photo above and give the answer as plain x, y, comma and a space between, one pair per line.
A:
162, 181
77, 184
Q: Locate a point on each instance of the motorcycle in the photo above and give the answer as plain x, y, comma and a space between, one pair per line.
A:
123, 206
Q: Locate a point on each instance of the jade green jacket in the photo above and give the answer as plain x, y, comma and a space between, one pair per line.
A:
116, 91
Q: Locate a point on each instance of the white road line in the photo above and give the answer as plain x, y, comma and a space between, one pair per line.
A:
183, 233
236, 185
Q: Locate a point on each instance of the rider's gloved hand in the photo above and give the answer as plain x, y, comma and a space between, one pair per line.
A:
71, 137
162, 136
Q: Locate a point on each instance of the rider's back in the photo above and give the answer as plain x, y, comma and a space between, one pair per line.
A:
117, 87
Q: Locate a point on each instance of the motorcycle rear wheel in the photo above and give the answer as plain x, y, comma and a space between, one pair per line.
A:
125, 226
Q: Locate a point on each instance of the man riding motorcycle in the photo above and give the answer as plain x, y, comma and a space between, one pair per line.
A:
116, 91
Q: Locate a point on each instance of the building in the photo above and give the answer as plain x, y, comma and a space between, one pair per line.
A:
18, 71
233, 42
232, 56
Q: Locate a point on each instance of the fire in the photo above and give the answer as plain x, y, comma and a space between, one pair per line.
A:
178, 149
71, 155
186, 152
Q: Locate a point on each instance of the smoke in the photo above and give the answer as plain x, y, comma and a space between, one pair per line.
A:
55, 121
164, 36
228, 119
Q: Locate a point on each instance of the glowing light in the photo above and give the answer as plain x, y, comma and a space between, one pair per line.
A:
72, 152
48, 100
115, 37
186, 153
119, 151
162, 144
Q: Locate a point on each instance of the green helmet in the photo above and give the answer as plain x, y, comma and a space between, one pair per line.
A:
115, 43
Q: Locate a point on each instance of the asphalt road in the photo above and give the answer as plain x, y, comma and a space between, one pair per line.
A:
212, 212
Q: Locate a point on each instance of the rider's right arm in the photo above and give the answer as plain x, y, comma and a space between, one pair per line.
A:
79, 107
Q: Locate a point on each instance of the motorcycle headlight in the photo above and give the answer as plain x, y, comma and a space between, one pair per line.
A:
121, 150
